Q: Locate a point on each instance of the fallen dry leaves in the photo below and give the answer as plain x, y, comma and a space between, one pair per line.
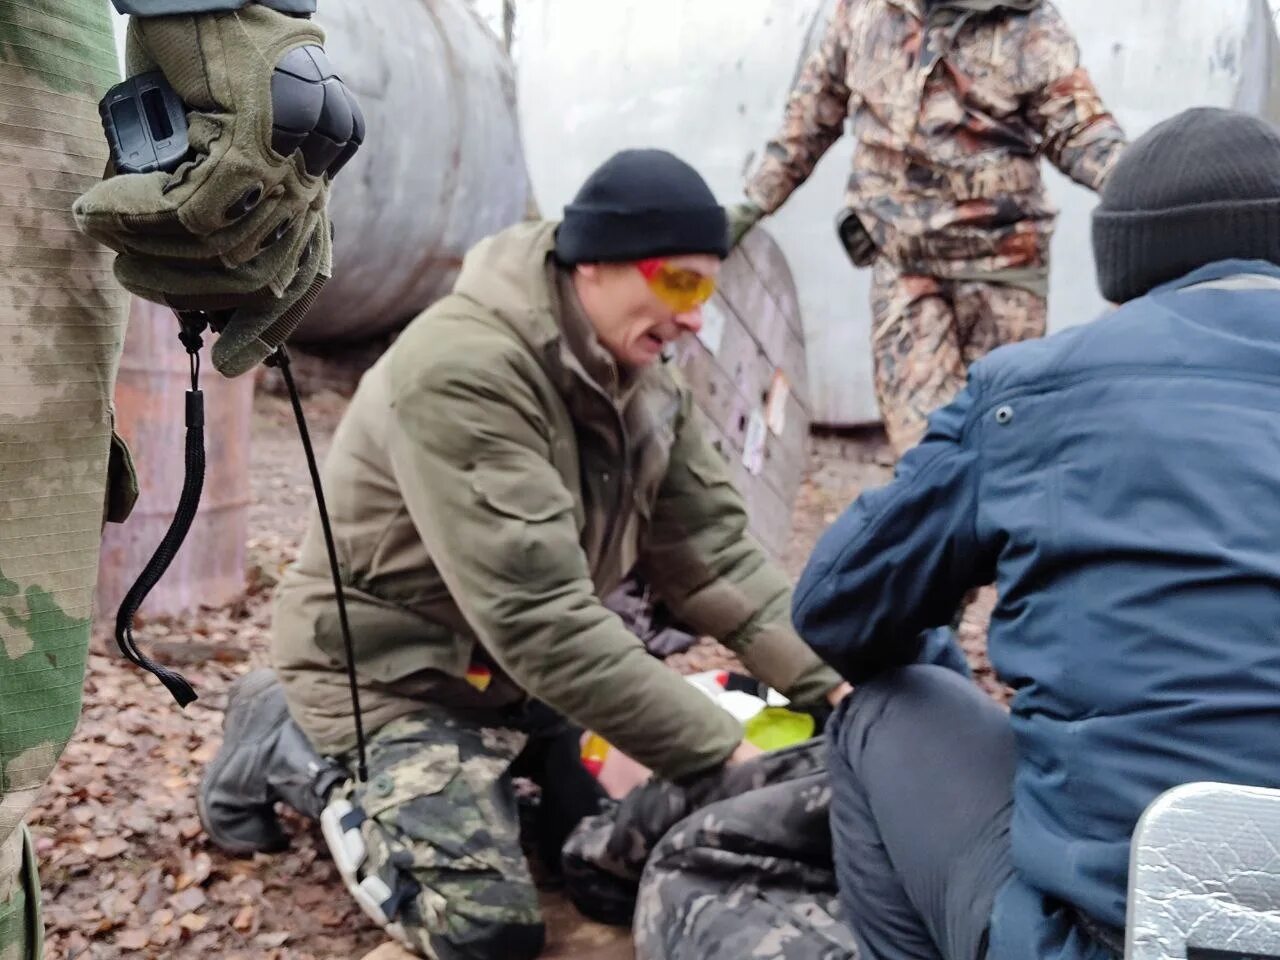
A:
126, 869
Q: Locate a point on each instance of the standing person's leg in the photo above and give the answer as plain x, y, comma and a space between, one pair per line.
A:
443, 836
62, 320
921, 769
915, 351
989, 315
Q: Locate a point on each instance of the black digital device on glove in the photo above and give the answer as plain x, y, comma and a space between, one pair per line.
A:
146, 125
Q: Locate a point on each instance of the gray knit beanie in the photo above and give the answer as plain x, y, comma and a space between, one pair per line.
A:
1202, 186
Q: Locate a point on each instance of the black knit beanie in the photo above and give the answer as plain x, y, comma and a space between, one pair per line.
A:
1200, 187
641, 204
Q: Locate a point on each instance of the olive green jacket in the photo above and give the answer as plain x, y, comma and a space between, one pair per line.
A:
494, 477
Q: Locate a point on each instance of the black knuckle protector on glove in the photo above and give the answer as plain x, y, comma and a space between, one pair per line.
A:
225, 209
313, 111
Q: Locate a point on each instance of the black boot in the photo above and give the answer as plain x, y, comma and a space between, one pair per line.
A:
264, 758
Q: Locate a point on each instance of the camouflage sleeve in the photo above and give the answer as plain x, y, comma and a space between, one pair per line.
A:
813, 121
1078, 135
699, 557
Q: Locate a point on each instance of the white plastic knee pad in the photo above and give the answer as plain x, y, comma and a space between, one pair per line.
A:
340, 823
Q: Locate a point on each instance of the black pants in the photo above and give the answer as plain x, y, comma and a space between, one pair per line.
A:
921, 768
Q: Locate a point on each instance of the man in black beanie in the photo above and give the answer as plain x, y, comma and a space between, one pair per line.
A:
1120, 481
515, 454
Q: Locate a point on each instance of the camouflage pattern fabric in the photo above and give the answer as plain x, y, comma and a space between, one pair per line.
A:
971, 634
925, 334
443, 833
605, 856
748, 877
951, 110
62, 318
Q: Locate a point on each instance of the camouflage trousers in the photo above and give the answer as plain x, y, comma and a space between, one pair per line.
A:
927, 331
736, 863
443, 828
61, 325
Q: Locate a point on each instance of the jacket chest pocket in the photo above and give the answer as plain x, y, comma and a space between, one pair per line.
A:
882, 68
984, 72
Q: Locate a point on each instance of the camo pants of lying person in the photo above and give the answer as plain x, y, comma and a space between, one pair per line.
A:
927, 331
443, 829
736, 864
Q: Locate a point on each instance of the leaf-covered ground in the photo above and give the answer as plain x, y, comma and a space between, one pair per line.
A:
126, 868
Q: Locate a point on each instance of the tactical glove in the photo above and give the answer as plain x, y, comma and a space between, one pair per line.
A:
742, 217
241, 229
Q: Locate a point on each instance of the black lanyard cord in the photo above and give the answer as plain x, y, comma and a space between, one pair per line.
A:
280, 359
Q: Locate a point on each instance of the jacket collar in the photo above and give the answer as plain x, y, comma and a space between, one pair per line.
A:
920, 9
514, 276
1218, 271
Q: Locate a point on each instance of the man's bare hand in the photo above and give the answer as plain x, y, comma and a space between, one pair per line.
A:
743, 752
836, 694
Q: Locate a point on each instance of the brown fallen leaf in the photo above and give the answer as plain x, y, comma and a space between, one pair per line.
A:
169, 933
188, 901
244, 920
132, 939
193, 922
118, 738
203, 754
195, 871
110, 847
100, 754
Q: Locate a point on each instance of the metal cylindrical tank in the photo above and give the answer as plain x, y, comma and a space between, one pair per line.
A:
442, 165
150, 414
747, 370
709, 80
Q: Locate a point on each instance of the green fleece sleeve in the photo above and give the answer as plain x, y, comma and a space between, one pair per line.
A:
715, 577
470, 446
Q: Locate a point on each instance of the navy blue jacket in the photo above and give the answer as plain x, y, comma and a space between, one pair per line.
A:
1120, 482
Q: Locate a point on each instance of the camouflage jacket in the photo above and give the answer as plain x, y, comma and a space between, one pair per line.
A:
951, 110
491, 480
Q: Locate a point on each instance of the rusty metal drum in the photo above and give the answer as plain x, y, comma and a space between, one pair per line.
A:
149, 411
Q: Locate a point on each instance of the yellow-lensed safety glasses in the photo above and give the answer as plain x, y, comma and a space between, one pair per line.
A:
680, 289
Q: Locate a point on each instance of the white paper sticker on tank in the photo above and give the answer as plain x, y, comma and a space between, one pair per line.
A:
775, 408
712, 331
753, 447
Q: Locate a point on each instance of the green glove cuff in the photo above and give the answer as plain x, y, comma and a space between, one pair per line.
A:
742, 217
168, 8
250, 336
